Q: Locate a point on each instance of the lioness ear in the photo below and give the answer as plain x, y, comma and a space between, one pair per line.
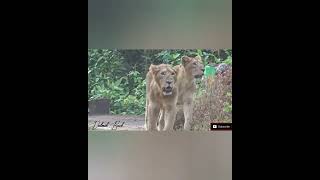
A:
154, 68
198, 58
175, 69
185, 60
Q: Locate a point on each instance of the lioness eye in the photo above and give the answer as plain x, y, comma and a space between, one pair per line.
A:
172, 73
194, 63
163, 73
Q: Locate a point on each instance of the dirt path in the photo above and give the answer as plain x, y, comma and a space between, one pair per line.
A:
116, 123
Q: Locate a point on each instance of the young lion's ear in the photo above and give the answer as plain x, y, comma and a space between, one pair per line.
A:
198, 58
154, 68
185, 60
175, 69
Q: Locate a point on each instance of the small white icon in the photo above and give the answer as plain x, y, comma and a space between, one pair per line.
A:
214, 126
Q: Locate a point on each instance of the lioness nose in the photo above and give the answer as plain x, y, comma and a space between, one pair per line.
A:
202, 69
169, 82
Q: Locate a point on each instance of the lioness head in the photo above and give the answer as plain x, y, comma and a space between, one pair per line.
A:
193, 65
165, 77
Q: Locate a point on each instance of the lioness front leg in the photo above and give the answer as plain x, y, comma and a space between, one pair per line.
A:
161, 120
169, 117
188, 111
153, 114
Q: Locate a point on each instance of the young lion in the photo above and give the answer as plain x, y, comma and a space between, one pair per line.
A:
187, 72
161, 95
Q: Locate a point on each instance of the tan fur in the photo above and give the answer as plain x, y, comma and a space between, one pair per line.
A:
189, 69
158, 99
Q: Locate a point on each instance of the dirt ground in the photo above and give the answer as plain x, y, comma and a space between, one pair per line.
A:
116, 122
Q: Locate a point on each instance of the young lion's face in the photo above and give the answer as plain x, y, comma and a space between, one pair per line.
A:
193, 66
165, 77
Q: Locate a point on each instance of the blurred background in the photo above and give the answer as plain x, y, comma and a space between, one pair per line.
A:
165, 24
159, 156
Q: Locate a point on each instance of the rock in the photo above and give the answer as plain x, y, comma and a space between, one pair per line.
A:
99, 107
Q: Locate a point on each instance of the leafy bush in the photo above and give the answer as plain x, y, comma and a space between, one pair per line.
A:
215, 103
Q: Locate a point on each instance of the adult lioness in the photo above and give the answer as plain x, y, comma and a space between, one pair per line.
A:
189, 69
161, 95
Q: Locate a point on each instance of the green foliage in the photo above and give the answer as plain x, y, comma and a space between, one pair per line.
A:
227, 107
228, 60
119, 75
